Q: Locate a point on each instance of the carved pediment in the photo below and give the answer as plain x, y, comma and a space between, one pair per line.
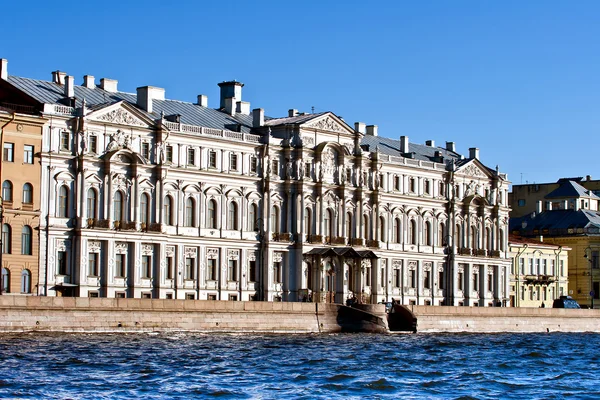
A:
119, 114
473, 170
328, 123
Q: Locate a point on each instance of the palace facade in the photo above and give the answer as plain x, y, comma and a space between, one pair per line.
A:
145, 197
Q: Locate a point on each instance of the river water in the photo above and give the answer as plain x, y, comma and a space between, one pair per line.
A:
520, 366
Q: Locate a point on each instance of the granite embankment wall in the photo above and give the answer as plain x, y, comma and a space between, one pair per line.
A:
499, 319
64, 314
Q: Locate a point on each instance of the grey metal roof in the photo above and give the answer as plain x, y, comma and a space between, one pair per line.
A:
392, 147
192, 114
556, 221
570, 189
298, 119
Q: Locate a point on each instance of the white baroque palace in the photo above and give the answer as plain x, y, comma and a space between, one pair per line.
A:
147, 197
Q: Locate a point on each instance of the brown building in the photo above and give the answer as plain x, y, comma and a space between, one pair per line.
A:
524, 199
20, 174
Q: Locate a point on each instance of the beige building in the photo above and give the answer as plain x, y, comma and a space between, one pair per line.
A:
147, 197
539, 273
20, 173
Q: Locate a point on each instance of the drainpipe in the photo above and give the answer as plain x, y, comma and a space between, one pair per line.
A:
14, 115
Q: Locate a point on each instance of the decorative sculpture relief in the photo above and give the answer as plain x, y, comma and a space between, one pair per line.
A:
473, 170
147, 249
251, 254
233, 254
190, 252
277, 256
122, 117
396, 263
94, 246
328, 124
121, 248
212, 253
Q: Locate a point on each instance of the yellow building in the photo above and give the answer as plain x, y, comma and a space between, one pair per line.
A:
20, 176
539, 272
571, 220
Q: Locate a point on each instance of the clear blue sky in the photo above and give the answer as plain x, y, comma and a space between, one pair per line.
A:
518, 79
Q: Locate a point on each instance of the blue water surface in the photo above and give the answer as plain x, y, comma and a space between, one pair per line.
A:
176, 365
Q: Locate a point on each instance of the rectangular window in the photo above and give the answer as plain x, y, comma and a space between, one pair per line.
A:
475, 282
190, 296
28, 154
396, 183
146, 267
277, 272
531, 266
413, 185
381, 181
146, 295
233, 164
146, 150
61, 263
120, 295
427, 280
411, 278
212, 269
594, 259
538, 269
348, 175
93, 264
252, 271
120, 265
169, 296
93, 294
169, 154
169, 262
189, 269
544, 267
441, 280
191, 156
232, 270
522, 266
427, 187
212, 159
275, 167
490, 283
383, 277
253, 163
212, 297
396, 277
9, 152
562, 267
93, 144
65, 141
460, 280
307, 170
233, 297
368, 276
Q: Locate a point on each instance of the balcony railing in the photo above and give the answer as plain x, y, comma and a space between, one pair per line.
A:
358, 242
373, 243
464, 251
282, 237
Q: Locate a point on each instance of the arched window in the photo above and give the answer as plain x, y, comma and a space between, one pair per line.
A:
307, 221
459, 238
441, 234
412, 231
328, 231
7, 191
232, 216
349, 225
92, 201
168, 210
488, 238
397, 230
5, 280
190, 214
144, 208
253, 218
275, 219
26, 234
63, 202
427, 233
211, 216
6, 239
27, 193
118, 205
25, 281
365, 227
382, 236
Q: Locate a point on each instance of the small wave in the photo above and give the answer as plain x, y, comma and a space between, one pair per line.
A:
339, 378
380, 384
